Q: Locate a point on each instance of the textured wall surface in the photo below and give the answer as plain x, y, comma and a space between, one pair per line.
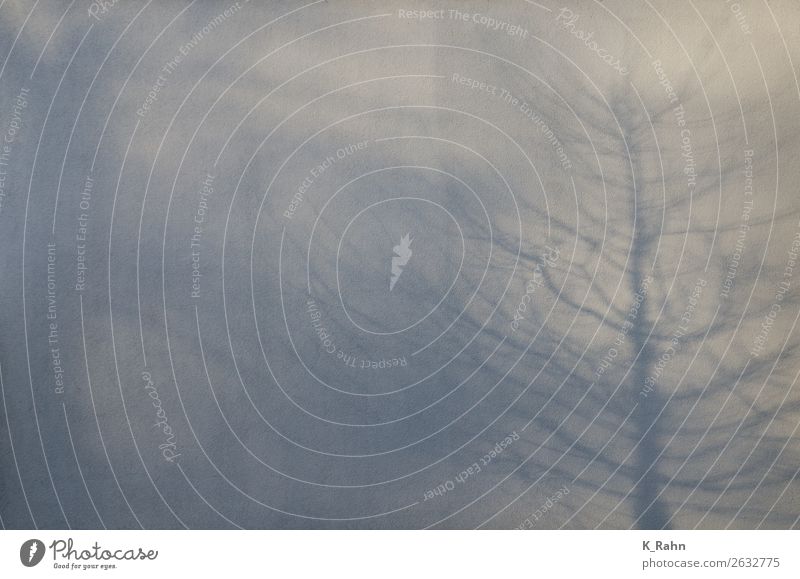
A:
345, 264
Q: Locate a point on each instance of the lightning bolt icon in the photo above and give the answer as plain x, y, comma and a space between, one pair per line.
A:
400, 259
